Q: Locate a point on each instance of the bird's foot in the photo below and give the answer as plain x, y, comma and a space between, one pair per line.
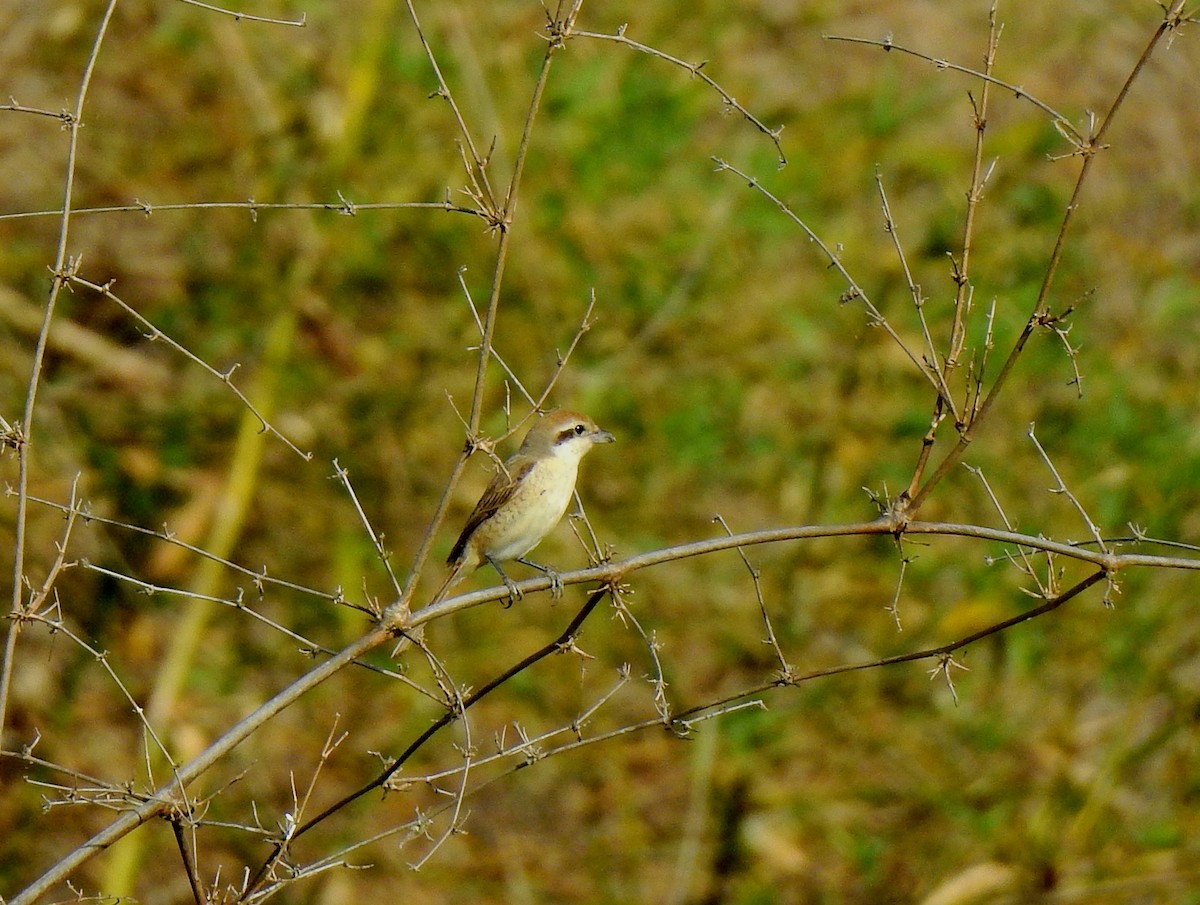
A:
514, 593
556, 585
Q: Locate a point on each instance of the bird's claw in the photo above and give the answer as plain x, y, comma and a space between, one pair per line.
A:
514, 593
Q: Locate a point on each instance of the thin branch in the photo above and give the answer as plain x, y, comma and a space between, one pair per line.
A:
887, 44
932, 361
1088, 150
226, 377
260, 577
560, 364
596, 552
26, 756
59, 626
40, 598
454, 824
333, 741
979, 177
305, 646
657, 677
62, 270
416, 826
186, 841
478, 165
914, 656
756, 579
65, 117
237, 14
523, 748
945, 663
855, 292
964, 291
342, 206
893, 606
1062, 489
1026, 565
376, 539
695, 71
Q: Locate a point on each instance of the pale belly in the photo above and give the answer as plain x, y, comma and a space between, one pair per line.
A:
534, 519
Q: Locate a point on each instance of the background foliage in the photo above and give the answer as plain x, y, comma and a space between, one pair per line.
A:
735, 382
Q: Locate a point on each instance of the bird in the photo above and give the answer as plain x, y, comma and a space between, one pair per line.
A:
525, 500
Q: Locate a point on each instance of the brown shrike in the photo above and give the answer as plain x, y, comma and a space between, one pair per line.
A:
525, 500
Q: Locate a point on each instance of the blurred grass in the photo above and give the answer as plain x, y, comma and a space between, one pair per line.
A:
735, 384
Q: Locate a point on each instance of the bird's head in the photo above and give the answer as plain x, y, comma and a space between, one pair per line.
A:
564, 433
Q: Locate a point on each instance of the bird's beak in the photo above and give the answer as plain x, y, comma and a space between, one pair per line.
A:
602, 436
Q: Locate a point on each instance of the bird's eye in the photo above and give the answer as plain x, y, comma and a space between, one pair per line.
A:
579, 429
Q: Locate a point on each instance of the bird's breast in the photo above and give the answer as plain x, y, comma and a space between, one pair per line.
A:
535, 507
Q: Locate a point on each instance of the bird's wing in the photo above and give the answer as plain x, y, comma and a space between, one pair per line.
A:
499, 491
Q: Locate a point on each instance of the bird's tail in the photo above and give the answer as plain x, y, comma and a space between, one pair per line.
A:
458, 571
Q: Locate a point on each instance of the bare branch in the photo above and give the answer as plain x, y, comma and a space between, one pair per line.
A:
61, 270
887, 44
784, 666
855, 292
226, 377
1062, 488
254, 207
237, 14
695, 71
